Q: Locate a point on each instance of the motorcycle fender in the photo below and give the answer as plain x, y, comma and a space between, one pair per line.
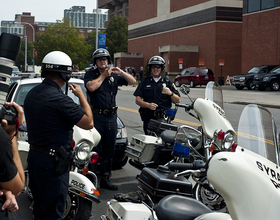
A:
23, 149
80, 181
214, 216
82, 186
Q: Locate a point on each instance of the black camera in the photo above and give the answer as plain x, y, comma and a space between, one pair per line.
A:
8, 113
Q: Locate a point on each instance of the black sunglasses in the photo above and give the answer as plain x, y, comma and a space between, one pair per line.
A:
101, 58
158, 67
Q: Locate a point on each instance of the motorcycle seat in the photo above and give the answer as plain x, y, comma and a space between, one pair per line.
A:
168, 136
180, 208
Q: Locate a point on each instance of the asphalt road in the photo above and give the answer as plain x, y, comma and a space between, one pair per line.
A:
126, 178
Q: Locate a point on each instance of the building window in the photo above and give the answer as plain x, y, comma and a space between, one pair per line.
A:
82, 30
89, 30
267, 4
41, 29
257, 5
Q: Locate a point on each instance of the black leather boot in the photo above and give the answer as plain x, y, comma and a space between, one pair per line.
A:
105, 173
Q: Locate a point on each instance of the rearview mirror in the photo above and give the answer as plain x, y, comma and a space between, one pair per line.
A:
185, 89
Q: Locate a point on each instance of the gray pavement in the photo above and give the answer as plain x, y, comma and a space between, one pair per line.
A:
270, 99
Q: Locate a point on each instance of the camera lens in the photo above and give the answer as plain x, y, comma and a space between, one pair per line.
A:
9, 49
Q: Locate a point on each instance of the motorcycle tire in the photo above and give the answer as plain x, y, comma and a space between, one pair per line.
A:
212, 200
77, 208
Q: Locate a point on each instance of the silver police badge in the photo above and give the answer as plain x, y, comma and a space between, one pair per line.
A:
112, 79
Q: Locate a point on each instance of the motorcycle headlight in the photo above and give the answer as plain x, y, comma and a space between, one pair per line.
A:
83, 150
229, 139
121, 133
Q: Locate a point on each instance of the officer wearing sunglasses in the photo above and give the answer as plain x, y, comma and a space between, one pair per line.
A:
102, 87
155, 93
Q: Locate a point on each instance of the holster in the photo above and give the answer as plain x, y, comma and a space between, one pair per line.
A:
63, 159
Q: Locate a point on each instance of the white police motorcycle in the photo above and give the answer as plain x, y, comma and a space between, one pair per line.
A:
82, 190
246, 175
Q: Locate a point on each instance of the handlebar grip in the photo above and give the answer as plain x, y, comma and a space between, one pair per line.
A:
187, 106
197, 164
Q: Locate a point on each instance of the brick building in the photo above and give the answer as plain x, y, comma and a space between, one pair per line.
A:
186, 32
243, 33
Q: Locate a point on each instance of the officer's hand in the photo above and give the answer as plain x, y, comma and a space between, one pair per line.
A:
153, 106
166, 90
116, 70
11, 129
76, 89
11, 203
107, 72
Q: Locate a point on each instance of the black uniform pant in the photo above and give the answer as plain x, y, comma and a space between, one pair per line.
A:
49, 190
107, 127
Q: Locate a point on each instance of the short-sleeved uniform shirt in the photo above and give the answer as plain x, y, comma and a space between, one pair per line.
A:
105, 96
50, 115
8, 169
151, 91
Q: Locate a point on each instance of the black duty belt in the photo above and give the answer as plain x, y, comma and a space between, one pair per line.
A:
105, 111
43, 150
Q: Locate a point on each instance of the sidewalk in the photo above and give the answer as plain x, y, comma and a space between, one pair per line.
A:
270, 99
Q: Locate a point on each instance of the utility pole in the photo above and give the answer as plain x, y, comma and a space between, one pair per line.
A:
96, 40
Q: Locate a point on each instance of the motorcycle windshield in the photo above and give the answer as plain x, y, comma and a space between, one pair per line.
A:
214, 93
257, 132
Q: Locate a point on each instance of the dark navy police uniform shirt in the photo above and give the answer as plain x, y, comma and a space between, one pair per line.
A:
50, 115
104, 96
151, 91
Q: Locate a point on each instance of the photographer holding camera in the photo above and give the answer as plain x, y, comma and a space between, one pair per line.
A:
11, 171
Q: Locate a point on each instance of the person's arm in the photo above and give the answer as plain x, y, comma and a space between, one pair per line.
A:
128, 77
174, 97
86, 121
11, 203
96, 83
16, 184
139, 101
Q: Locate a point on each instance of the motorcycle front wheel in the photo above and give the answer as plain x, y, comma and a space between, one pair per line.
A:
212, 199
76, 207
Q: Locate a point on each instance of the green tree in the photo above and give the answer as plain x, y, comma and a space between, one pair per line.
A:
20, 61
117, 35
64, 37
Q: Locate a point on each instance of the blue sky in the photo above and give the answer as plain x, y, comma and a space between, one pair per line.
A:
50, 10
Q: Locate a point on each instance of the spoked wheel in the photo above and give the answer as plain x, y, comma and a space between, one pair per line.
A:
76, 207
212, 199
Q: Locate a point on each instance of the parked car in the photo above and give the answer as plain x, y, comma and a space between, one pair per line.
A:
19, 89
246, 80
271, 80
194, 76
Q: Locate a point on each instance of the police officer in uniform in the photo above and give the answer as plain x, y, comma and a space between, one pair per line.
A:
102, 87
50, 117
155, 93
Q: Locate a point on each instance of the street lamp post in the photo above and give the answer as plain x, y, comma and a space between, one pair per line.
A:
96, 35
26, 45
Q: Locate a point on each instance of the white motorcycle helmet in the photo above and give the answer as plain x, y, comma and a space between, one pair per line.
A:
59, 62
156, 60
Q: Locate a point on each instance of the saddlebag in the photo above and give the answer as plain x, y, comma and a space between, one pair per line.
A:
160, 182
143, 147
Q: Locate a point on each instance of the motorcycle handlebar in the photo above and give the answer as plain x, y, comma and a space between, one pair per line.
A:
186, 106
197, 164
